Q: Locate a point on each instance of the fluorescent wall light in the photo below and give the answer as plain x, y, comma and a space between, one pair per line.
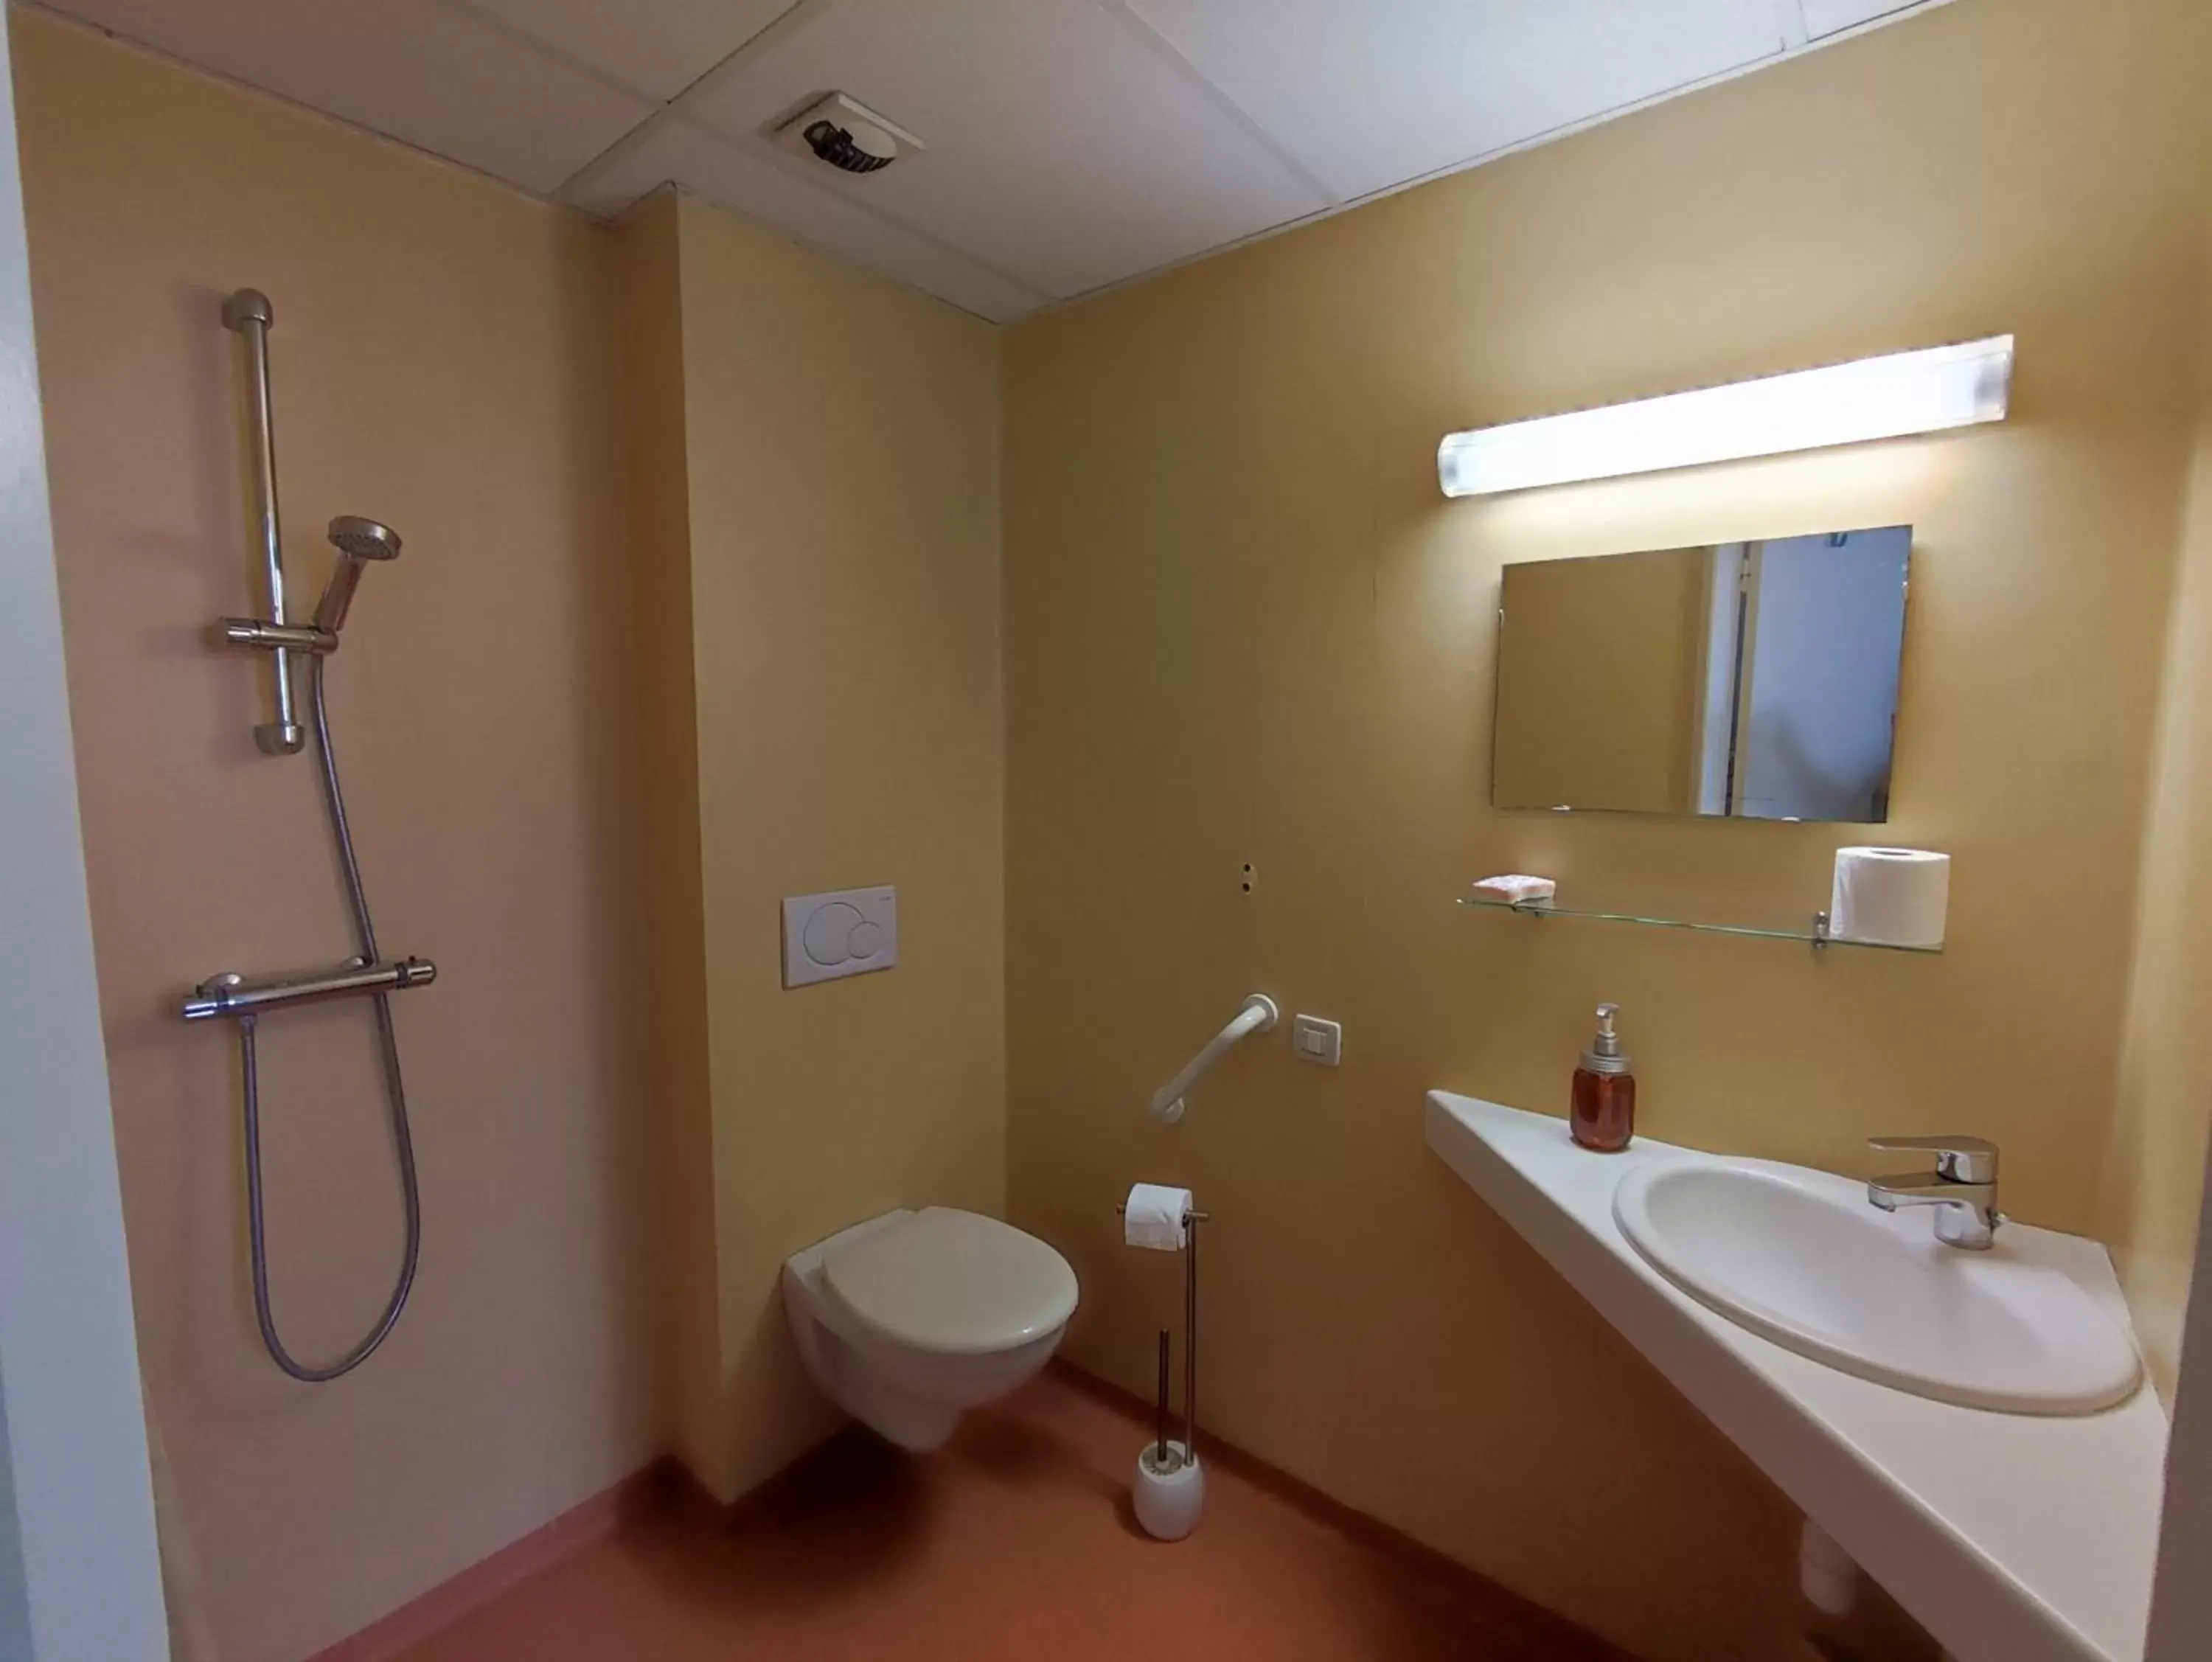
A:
1883, 398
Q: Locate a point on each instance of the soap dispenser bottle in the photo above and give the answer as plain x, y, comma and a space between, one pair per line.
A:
1603, 1115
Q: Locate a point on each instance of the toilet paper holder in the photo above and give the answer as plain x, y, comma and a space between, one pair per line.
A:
1191, 1219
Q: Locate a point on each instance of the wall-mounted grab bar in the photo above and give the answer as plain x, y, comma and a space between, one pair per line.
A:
1255, 1016
231, 995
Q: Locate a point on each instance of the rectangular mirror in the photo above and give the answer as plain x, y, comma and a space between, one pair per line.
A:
1751, 680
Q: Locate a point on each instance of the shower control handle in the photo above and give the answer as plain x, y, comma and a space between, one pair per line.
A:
233, 995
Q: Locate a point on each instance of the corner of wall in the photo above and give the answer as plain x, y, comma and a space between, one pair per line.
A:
2162, 1114
649, 254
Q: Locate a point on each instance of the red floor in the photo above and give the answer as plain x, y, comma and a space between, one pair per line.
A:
1015, 1542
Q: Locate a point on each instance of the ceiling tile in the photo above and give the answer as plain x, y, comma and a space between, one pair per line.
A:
673, 150
1825, 17
658, 46
1063, 148
1368, 96
436, 78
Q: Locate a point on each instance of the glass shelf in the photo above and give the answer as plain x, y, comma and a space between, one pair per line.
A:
1817, 936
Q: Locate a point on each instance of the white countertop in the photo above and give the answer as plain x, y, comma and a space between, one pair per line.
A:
2010, 1538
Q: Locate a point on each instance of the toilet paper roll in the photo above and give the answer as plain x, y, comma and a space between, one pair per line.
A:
1152, 1217
1897, 897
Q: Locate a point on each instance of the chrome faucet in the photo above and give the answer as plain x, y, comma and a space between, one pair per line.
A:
1963, 1187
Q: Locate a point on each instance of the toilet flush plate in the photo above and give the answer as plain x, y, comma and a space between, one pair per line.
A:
850, 932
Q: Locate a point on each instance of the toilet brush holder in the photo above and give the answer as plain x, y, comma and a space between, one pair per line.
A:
1170, 1490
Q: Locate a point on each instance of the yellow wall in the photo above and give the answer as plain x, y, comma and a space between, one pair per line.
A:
2154, 1178
787, 472
841, 440
1243, 625
1604, 661
441, 361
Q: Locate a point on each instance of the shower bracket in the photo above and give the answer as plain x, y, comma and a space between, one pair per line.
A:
277, 637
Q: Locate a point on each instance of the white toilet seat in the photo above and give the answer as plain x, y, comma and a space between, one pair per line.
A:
908, 1320
951, 1283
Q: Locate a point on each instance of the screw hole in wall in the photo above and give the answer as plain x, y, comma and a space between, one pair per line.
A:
1247, 879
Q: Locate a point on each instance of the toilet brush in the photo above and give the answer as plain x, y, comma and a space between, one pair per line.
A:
1160, 1412
1169, 1489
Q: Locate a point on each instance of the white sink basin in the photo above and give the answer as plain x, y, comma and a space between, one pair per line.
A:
1801, 1258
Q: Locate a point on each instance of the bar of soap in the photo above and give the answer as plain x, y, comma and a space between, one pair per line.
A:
1518, 889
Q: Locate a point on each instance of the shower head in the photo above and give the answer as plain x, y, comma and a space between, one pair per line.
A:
357, 541
363, 540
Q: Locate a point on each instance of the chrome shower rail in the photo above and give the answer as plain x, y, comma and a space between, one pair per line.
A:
248, 315
233, 995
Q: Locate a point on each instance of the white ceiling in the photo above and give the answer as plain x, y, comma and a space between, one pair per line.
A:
1071, 143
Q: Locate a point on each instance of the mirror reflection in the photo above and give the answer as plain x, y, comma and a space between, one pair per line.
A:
1754, 680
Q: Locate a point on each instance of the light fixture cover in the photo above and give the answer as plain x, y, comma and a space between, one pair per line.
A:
1883, 398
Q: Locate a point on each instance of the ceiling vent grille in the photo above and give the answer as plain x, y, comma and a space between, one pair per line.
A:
847, 134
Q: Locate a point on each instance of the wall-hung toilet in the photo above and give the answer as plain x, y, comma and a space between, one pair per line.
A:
909, 1318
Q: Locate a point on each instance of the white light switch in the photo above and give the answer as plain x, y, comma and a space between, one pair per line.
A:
850, 932
1313, 1040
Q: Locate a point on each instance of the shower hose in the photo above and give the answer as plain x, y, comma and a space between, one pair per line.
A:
395, 1090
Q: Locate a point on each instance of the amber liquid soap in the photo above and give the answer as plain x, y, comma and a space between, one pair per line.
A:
1603, 1116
